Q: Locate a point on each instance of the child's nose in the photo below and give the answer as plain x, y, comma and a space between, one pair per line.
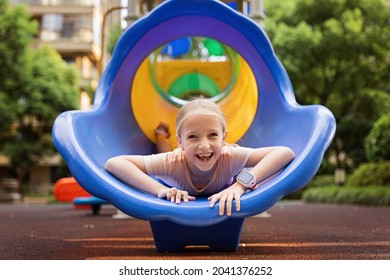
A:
204, 143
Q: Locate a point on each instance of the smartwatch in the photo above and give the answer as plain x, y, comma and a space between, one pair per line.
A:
246, 179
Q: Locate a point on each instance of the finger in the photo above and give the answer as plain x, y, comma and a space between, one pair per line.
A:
185, 196
178, 197
222, 205
229, 202
169, 193
238, 202
173, 195
213, 199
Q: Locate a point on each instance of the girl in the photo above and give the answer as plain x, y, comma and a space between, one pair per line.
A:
203, 164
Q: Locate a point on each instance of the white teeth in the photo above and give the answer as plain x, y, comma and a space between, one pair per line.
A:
204, 156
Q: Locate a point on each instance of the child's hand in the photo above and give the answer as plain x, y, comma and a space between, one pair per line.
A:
226, 197
175, 195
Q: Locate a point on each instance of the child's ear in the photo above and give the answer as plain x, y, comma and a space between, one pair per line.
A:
225, 135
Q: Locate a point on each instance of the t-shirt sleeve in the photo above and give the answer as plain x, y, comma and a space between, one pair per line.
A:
164, 164
240, 156
156, 165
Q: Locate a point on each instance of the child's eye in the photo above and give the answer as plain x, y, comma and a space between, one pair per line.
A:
214, 134
192, 137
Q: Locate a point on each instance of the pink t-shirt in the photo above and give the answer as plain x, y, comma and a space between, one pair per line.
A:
172, 168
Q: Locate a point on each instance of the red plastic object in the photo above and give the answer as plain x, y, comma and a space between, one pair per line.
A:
67, 189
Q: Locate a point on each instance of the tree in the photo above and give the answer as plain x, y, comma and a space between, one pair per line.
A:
336, 54
378, 140
41, 86
52, 88
16, 31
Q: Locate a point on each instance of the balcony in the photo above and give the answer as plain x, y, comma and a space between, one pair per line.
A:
77, 43
69, 34
40, 7
55, 2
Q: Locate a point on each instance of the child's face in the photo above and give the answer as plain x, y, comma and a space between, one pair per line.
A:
202, 138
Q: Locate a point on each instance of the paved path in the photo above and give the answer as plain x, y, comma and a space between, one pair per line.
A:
293, 231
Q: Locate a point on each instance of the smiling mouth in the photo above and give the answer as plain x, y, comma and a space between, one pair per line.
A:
204, 157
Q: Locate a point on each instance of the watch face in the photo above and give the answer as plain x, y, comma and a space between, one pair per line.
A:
245, 177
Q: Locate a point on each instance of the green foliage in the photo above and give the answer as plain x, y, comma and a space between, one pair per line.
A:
371, 174
16, 31
372, 195
53, 85
354, 127
377, 143
353, 132
322, 195
368, 185
336, 54
51, 89
35, 86
318, 181
115, 33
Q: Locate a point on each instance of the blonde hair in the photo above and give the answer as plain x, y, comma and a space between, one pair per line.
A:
199, 106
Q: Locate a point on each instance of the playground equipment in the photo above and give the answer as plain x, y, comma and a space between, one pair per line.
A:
68, 190
124, 115
93, 202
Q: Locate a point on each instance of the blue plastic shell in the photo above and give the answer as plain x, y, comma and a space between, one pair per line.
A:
86, 139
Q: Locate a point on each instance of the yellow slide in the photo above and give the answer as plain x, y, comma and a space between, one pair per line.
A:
150, 108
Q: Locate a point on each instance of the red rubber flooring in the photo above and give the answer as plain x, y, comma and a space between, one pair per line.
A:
293, 231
